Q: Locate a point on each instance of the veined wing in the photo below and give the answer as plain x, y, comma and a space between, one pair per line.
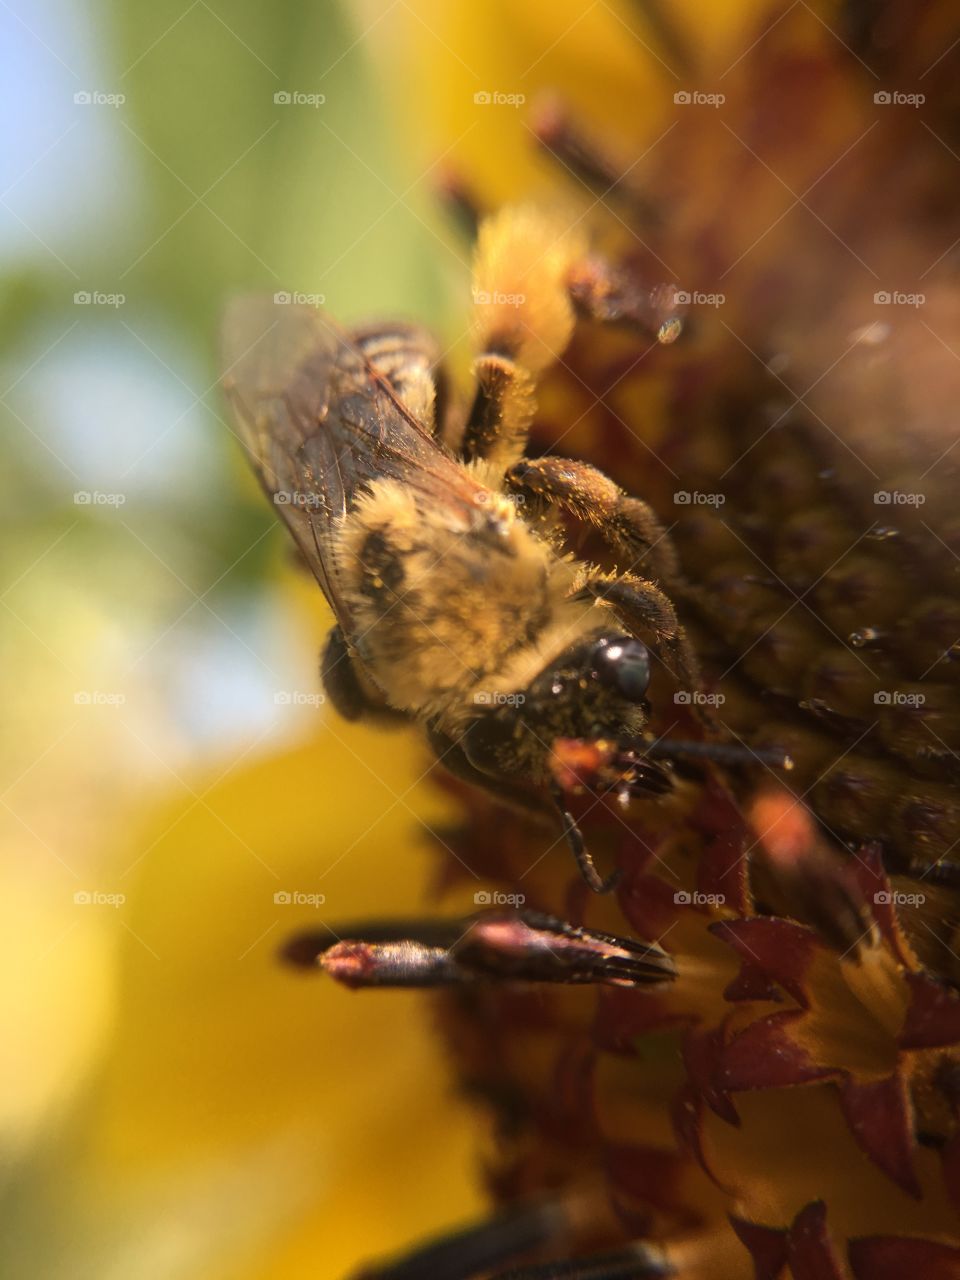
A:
323, 414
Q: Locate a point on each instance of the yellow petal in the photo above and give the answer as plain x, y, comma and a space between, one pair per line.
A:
246, 1110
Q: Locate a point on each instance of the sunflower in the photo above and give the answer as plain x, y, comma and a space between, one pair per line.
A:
767, 352
743, 1061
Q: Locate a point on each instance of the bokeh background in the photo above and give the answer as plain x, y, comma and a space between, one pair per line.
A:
173, 1102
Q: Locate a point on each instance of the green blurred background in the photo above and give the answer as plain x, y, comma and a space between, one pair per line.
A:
198, 184
167, 1090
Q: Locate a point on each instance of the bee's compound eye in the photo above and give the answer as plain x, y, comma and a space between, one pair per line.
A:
623, 664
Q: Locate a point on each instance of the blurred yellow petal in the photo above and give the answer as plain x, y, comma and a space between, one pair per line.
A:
243, 1108
447, 64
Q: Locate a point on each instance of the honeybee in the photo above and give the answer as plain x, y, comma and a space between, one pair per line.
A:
438, 546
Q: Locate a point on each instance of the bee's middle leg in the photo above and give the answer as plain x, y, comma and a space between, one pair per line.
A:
352, 696
628, 525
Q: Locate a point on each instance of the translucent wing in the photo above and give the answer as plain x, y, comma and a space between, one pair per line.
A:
324, 413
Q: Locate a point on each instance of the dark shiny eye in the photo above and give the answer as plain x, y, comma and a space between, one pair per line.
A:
623, 664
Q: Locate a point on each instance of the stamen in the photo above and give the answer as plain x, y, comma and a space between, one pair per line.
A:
814, 879
306, 950
494, 946
580, 154
868, 638
602, 764
673, 42
539, 948
390, 964
460, 202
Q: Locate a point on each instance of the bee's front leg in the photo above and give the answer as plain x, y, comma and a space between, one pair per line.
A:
486, 755
480, 768
627, 525
643, 608
574, 838
352, 696
491, 746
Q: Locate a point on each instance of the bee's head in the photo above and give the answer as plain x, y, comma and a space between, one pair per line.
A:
596, 688
593, 690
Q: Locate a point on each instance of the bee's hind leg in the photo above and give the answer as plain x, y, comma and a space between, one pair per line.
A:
352, 696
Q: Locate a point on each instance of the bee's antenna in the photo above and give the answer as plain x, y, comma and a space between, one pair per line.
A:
721, 752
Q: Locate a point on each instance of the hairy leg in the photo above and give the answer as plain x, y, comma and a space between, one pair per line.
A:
643, 608
628, 525
474, 759
503, 406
